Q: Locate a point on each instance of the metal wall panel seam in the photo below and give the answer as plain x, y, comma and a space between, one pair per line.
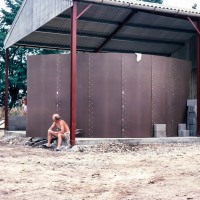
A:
174, 96
91, 97
58, 85
123, 93
153, 92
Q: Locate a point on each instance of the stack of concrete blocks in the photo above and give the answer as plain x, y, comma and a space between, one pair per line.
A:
159, 130
192, 116
182, 131
16, 123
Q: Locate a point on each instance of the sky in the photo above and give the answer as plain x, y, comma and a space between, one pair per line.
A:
182, 3
2, 4
179, 3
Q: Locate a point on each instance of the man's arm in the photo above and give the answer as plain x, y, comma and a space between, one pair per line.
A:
51, 127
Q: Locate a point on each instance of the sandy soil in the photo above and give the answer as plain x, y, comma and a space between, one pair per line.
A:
113, 172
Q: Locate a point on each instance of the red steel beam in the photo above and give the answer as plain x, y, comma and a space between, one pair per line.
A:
6, 89
73, 73
83, 11
197, 28
116, 31
198, 80
194, 25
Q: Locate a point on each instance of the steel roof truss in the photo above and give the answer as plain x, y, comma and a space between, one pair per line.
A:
116, 30
163, 28
61, 32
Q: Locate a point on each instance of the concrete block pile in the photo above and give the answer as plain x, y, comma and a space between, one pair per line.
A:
159, 130
16, 123
182, 130
192, 116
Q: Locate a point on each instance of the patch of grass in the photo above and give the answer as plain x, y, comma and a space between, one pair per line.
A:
1, 113
15, 111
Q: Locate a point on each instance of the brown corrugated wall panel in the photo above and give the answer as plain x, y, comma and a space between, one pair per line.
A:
116, 95
162, 96
170, 82
48, 92
63, 86
82, 92
136, 96
105, 95
182, 83
41, 94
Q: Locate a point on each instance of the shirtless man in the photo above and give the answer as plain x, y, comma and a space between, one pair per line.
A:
63, 133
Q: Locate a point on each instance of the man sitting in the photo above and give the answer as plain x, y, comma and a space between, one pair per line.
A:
62, 133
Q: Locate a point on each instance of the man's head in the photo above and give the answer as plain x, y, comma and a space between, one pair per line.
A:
56, 117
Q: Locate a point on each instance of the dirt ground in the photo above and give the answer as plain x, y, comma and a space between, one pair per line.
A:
100, 172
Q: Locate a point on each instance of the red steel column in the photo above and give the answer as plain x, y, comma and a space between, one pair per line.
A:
6, 89
198, 80
73, 74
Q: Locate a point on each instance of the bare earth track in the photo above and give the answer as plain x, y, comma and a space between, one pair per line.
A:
100, 172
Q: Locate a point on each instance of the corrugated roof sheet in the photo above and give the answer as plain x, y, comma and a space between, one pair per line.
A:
151, 28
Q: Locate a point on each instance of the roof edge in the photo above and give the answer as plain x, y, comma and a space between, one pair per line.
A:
14, 22
155, 7
15, 33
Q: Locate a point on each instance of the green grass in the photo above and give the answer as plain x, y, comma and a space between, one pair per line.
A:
13, 111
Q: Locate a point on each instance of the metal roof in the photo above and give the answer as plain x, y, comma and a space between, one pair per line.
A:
107, 26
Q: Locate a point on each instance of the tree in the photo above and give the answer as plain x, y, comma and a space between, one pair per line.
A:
5, 22
17, 58
154, 1
194, 6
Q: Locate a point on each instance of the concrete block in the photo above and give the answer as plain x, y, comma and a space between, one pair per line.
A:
192, 127
159, 134
192, 121
11, 128
159, 127
192, 115
19, 122
192, 109
181, 127
183, 133
195, 108
191, 102
193, 133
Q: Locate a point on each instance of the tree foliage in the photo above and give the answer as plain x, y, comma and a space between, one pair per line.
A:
17, 58
154, 1
194, 6
5, 22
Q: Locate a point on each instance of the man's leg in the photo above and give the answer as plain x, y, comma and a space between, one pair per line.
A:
60, 137
50, 134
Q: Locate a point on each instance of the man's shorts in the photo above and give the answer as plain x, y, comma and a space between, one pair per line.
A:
67, 135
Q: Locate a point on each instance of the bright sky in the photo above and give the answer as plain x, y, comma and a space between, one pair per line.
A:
2, 4
179, 3
182, 3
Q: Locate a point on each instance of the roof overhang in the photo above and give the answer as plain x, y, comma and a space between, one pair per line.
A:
107, 26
